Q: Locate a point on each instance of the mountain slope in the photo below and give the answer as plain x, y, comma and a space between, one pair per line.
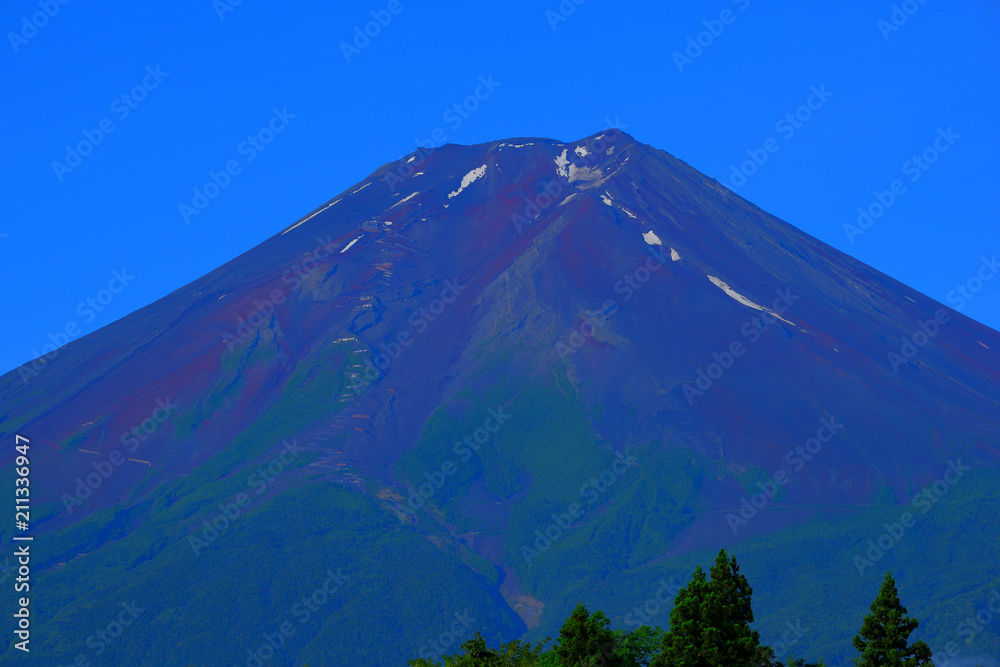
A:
498, 379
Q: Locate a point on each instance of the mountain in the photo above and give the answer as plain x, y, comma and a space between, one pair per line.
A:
486, 383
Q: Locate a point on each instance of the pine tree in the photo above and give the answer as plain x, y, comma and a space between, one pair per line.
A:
710, 622
884, 637
729, 630
682, 645
586, 641
478, 654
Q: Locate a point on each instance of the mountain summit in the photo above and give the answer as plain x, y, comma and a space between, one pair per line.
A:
488, 382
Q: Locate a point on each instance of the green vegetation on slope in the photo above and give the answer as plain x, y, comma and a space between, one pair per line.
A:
709, 627
320, 561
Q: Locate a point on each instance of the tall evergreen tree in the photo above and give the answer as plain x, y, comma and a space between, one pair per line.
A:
885, 633
478, 653
710, 622
586, 641
682, 644
735, 644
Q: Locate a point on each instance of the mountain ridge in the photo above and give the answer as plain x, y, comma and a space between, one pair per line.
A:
597, 291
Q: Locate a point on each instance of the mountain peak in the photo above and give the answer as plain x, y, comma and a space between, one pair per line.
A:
477, 331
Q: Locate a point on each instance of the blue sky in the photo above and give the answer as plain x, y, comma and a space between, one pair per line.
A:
199, 78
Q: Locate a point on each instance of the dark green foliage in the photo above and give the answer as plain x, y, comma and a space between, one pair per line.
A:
688, 621
731, 614
585, 640
710, 627
710, 622
639, 647
885, 633
475, 653
332, 528
799, 663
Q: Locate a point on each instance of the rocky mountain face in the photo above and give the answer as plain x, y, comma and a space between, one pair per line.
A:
488, 382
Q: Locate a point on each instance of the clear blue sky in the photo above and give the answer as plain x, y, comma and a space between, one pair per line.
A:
220, 79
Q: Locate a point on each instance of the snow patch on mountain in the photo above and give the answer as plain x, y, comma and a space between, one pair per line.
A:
592, 176
405, 199
584, 174
348, 246
310, 217
562, 164
745, 301
468, 179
